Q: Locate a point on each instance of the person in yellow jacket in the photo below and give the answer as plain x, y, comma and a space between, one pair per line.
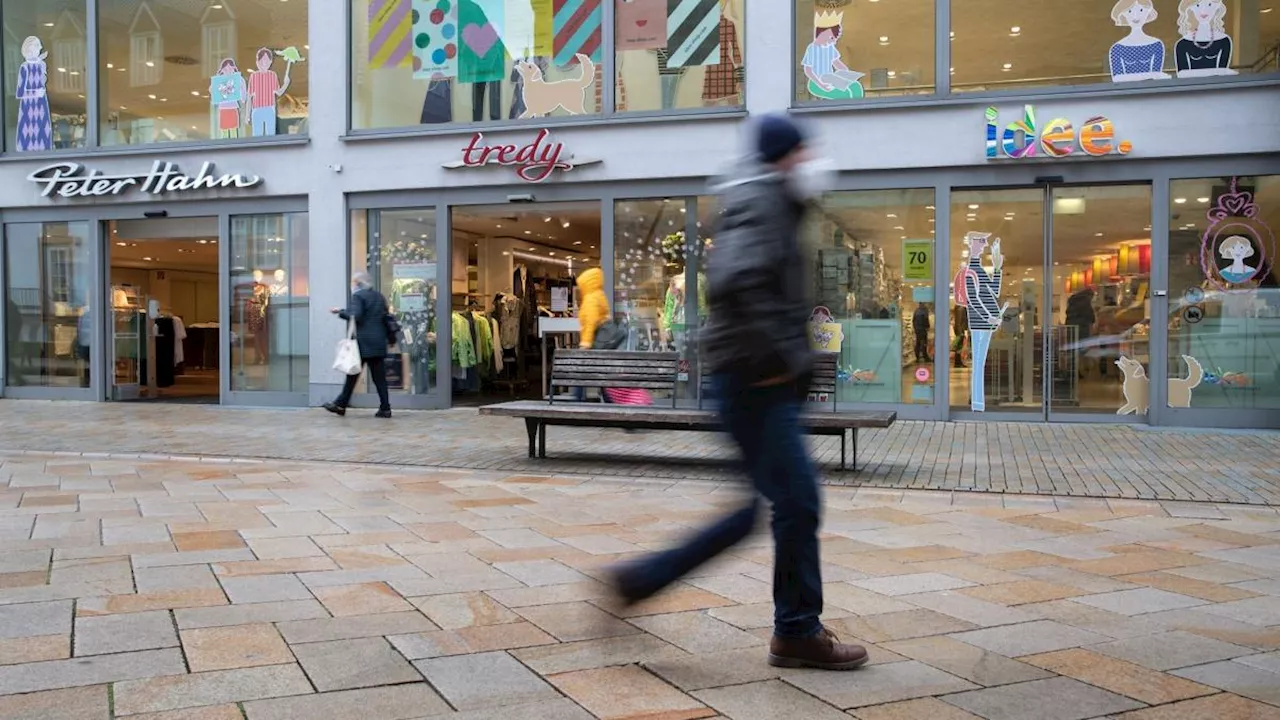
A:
593, 310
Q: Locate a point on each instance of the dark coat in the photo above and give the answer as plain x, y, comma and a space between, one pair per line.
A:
369, 309
1080, 313
756, 282
920, 319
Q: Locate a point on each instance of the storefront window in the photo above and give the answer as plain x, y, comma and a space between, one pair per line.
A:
1224, 301
44, 74
873, 293
270, 303
48, 299
1120, 41
678, 55
398, 250
429, 62
176, 70
847, 50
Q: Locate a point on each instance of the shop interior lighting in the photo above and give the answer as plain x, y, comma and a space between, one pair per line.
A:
1015, 31
1180, 201
1202, 200
1007, 67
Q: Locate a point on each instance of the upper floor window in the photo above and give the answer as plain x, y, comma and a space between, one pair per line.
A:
45, 74
437, 62
1025, 45
183, 70
848, 50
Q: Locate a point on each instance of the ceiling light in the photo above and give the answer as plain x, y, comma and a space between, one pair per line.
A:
1097, 234
49, 24
893, 73
932, 220
577, 242
898, 227
1264, 11
891, 215
564, 224
884, 39
1180, 200
551, 254
62, 70
953, 34
1015, 31
122, 244
203, 242
528, 232
1008, 67
974, 206
196, 93
929, 207
499, 225
153, 97
1202, 200
110, 66
147, 259
546, 219
151, 63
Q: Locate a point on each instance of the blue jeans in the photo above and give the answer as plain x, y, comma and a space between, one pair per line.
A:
764, 423
981, 342
264, 121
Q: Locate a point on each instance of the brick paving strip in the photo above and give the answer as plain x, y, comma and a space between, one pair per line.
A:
171, 589
1077, 460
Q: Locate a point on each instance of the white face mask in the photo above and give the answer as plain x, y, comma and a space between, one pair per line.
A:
811, 178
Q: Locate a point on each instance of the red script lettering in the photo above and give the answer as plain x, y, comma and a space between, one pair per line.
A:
534, 162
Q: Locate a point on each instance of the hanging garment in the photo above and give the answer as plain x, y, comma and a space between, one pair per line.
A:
497, 351
484, 339
509, 322
494, 90
723, 80
463, 349
179, 335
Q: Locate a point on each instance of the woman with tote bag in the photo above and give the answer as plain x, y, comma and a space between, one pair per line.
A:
373, 328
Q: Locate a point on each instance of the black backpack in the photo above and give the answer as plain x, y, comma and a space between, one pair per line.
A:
610, 335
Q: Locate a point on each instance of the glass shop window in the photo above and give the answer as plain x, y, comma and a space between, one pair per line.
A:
848, 50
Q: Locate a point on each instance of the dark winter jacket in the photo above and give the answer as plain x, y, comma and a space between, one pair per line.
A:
756, 282
369, 309
1080, 313
920, 319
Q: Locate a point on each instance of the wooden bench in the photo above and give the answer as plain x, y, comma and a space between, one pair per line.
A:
660, 373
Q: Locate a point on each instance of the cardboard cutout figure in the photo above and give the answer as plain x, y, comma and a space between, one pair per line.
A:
265, 89
829, 77
978, 291
1205, 47
1137, 56
227, 95
541, 97
35, 124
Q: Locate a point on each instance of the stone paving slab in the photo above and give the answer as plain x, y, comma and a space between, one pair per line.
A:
317, 590
1077, 459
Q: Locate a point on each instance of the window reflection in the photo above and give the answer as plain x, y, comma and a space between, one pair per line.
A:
270, 303
48, 306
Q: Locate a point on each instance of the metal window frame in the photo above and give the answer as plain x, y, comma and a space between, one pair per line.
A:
944, 93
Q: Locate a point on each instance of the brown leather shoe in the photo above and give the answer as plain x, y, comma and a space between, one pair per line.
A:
823, 651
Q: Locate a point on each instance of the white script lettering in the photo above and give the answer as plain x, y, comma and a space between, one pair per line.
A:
72, 180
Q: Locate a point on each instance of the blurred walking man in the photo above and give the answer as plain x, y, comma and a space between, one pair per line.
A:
756, 344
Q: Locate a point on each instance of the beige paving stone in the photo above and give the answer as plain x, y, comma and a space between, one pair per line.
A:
923, 553
142, 602
967, 569
505, 681
84, 703
1130, 563
963, 660
124, 633
1124, 678
363, 599
1226, 536
1022, 593
1020, 559
877, 684
1030, 638
1171, 650
623, 693
264, 588
77, 672
859, 601
1242, 679
249, 568
237, 646
35, 619
767, 700
396, 702
972, 610
209, 688
1053, 699
570, 622
351, 627
734, 587
673, 600
432, 644
899, 626
23, 579
484, 638
286, 548
182, 577
15, 651
464, 610
910, 584
217, 540
603, 652
922, 709
697, 632
349, 664
1051, 525
253, 613
1223, 706
365, 556
208, 712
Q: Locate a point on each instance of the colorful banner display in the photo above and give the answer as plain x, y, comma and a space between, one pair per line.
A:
693, 32
641, 24
576, 28
390, 27
435, 39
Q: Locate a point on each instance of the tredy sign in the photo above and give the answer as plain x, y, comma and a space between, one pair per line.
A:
72, 180
534, 162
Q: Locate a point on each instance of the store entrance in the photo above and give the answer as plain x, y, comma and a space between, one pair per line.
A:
1050, 301
512, 287
164, 302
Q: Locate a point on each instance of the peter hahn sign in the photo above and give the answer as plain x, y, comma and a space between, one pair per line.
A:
72, 180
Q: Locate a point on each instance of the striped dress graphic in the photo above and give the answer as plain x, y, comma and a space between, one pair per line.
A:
984, 296
693, 32
575, 28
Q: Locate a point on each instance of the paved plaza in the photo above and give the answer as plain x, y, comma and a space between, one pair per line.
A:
1080, 460
167, 589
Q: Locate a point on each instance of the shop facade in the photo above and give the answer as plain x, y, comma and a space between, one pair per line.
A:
1119, 296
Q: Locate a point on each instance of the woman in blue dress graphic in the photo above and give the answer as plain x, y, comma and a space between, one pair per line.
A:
1137, 56
979, 292
829, 77
1236, 249
35, 124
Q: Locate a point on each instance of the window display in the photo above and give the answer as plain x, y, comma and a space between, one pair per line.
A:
848, 50
1224, 301
678, 54
873, 292
48, 304
45, 45
270, 303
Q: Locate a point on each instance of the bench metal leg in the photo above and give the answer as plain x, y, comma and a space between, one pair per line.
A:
855, 449
542, 440
843, 451
531, 427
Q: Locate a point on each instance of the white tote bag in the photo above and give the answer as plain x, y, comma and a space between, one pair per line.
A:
348, 359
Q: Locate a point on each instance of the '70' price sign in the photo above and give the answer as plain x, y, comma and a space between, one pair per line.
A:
917, 259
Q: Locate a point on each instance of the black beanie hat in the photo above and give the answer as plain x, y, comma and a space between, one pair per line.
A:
776, 137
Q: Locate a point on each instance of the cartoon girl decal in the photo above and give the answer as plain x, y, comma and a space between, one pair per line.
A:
978, 291
35, 125
228, 94
1238, 234
829, 77
1137, 56
1205, 47
1236, 249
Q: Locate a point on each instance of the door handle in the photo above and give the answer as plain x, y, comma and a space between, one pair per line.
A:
1161, 293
